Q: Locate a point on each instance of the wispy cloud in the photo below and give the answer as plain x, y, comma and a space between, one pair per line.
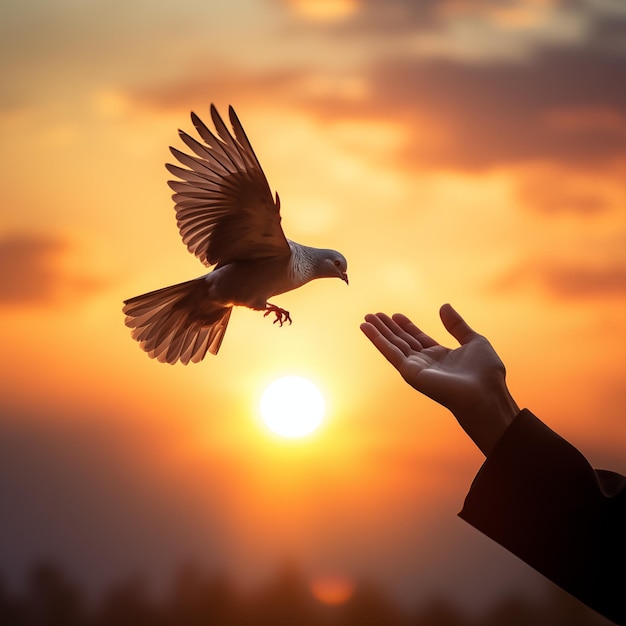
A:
34, 272
234, 83
551, 190
499, 114
567, 280
566, 104
478, 31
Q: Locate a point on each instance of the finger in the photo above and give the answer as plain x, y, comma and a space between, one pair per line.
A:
456, 325
409, 327
394, 333
387, 348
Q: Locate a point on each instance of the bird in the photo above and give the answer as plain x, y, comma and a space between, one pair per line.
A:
229, 219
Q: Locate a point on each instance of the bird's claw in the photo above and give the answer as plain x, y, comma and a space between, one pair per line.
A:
282, 316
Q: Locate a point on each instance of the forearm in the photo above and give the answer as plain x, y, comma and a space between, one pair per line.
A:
539, 498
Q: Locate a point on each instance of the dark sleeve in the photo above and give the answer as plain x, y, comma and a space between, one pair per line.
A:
538, 497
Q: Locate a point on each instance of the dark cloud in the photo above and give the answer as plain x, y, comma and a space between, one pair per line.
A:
608, 32
499, 110
567, 280
564, 105
231, 84
493, 115
400, 17
32, 271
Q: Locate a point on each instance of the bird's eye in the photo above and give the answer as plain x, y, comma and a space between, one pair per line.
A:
337, 263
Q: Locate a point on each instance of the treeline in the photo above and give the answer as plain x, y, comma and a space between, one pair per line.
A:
50, 598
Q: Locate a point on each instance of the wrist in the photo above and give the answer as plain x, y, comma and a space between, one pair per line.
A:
488, 420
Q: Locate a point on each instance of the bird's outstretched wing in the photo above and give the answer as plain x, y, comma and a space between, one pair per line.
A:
224, 206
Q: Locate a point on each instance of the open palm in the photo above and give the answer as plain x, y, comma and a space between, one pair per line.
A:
467, 380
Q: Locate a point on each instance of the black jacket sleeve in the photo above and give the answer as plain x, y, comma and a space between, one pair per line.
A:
538, 497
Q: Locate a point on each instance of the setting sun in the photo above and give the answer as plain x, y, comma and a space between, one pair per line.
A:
470, 152
292, 407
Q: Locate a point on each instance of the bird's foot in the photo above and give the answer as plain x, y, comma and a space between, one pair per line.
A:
282, 316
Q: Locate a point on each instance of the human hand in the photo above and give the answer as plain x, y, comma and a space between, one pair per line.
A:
468, 380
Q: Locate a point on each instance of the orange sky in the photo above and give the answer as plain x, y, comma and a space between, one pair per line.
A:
460, 152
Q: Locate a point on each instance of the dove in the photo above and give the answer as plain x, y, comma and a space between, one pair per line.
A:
229, 219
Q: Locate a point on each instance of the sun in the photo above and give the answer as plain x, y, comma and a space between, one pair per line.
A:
292, 407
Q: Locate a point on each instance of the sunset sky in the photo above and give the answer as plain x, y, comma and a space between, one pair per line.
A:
463, 151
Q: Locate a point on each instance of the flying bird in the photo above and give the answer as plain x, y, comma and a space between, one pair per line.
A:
228, 218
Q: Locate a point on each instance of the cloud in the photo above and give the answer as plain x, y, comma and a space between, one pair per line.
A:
497, 115
477, 31
34, 272
565, 105
398, 16
567, 280
492, 83
232, 82
401, 16
551, 190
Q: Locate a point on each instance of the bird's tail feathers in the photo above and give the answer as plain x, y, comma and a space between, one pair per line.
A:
167, 326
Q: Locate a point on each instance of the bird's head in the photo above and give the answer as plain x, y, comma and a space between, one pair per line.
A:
334, 264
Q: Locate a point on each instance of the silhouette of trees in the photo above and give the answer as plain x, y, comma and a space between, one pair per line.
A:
9, 607
439, 612
52, 598
129, 604
195, 598
369, 606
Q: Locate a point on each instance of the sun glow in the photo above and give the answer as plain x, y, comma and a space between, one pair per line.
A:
292, 407
332, 590
325, 10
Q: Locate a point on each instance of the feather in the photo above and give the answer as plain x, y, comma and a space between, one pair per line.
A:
227, 217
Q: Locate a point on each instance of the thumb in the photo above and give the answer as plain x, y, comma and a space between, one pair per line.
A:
456, 325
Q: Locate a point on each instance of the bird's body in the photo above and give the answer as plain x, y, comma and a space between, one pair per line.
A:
228, 218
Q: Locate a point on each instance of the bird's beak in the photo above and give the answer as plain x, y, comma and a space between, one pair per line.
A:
344, 277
